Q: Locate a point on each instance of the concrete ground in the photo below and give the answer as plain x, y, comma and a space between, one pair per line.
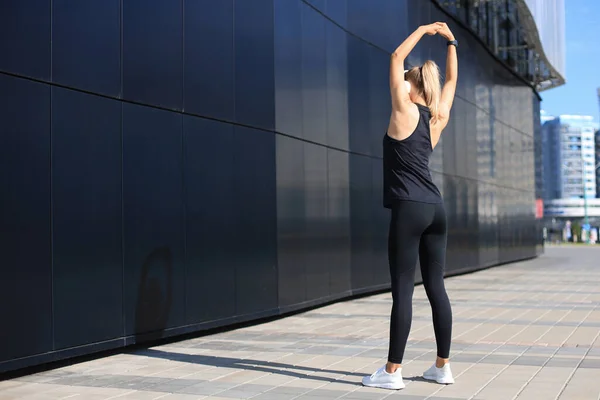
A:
528, 330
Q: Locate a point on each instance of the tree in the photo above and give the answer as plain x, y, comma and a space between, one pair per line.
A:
576, 231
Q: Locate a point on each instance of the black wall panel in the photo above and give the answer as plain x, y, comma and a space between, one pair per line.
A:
255, 228
291, 221
358, 21
25, 27
337, 81
314, 76
316, 221
378, 106
87, 223
360, 221
254, 70
210, 180
86, 45
208, 58
379, 223
392, 16
153, 52
289, 92
25, 228
337, 11
317, 4
153, 215
240, 177
358, 96
338, 212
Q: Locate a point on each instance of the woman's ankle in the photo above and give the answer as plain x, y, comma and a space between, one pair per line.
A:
440, 362
391, 367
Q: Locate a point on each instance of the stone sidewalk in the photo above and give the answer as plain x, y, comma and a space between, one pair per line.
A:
528, 330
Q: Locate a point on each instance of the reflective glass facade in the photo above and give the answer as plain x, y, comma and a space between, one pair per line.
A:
177, 166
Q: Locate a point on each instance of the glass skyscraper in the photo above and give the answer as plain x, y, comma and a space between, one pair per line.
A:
597, 138
569, 156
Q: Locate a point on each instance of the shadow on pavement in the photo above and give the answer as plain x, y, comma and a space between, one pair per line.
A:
417, 379
250, 365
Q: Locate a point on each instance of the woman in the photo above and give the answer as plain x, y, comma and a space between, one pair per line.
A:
420, 112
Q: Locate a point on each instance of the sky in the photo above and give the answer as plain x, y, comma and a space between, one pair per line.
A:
578, 95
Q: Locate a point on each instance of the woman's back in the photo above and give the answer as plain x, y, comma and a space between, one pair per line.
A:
406, 165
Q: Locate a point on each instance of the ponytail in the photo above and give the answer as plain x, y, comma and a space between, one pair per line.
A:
430, 74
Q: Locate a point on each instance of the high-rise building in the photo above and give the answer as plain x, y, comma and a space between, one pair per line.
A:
550, 173
597, 140
569, 157
542, 143
579, 156
597, 166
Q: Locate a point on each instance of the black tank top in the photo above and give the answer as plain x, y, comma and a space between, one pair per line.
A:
406, 174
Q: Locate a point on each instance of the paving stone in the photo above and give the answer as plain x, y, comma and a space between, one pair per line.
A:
205, 389
536, 361
364, 396
590, 363
466, 357
583, 385
498, 359
563, 362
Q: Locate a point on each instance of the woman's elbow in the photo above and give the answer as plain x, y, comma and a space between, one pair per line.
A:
396, 57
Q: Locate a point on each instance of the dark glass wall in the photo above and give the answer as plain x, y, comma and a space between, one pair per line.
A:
173, 167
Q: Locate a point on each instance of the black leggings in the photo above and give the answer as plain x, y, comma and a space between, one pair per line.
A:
418, 229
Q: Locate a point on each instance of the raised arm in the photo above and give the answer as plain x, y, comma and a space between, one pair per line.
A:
449, 88
398, 88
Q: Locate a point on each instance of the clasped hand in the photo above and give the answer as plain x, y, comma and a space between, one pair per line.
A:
440, 28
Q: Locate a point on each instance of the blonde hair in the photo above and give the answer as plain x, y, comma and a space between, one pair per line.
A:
426, 81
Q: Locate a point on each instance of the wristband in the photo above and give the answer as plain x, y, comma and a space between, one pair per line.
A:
452, 43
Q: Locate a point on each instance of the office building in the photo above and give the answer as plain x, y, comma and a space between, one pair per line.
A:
577, 150
573, 209
569, 157
597, 166
569, 173
551, 158
597, 139
174, 166
543, 162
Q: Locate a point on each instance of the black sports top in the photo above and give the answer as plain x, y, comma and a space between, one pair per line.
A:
406, 174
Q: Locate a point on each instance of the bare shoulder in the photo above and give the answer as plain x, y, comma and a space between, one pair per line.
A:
403, 124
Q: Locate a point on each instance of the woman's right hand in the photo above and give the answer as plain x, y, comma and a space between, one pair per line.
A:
445, 32
432, 29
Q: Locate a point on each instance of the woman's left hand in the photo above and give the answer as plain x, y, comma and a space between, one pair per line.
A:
432, 29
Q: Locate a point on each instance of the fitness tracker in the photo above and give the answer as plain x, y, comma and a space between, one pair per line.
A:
452, 43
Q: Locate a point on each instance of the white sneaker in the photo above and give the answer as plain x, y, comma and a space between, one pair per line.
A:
382, 379
440, 375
